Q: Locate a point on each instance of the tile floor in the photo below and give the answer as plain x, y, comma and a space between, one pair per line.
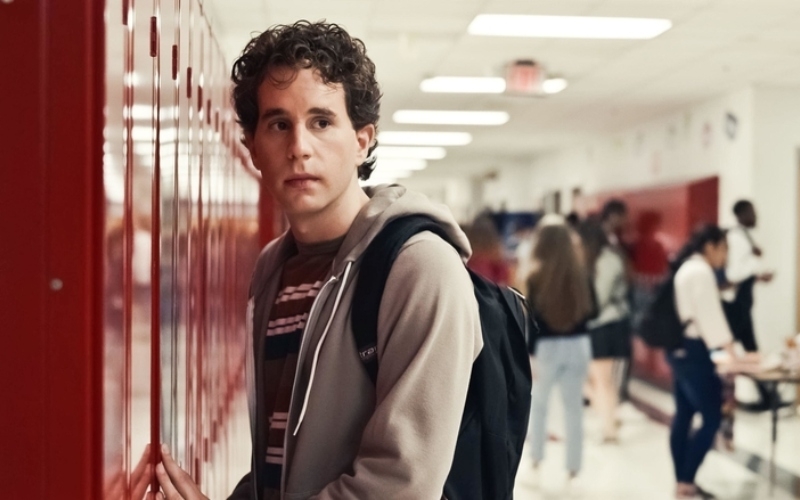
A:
639, 467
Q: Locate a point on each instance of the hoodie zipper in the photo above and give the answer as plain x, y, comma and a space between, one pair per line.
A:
297, 372
319, 348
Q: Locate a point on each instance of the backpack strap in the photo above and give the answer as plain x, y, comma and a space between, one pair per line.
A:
375, 266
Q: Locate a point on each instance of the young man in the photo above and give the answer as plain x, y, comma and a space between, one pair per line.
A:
614, 217
308, 102
742, 271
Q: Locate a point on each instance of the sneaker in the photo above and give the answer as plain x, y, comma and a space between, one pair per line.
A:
703, 493
574, 485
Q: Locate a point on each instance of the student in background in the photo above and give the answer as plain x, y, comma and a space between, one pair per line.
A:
559, 293
610, 331
743, 270
614, 218
697, 386
487, 250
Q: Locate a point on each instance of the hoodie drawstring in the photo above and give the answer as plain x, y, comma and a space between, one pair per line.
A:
319, 346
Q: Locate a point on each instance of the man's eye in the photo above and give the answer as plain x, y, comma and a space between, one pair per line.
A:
279, 126
323, 123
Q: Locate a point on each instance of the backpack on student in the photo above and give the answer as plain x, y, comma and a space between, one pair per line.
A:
497, 409
660, 326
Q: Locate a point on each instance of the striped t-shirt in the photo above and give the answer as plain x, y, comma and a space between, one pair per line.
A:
302, 279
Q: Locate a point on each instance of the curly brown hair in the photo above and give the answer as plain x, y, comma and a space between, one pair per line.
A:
325, 47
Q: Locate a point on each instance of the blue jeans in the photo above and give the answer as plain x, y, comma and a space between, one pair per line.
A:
697, 389
563, 361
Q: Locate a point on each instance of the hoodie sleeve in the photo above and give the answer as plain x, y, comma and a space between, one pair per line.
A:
428, 337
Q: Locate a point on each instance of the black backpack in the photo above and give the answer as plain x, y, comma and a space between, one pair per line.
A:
497, 408
660, 326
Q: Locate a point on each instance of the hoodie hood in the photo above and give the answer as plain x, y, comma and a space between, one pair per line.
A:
389, 202
386, 203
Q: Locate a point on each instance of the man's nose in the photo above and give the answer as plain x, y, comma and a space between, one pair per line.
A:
300, 146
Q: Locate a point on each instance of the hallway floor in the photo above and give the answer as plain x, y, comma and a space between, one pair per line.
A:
639, 467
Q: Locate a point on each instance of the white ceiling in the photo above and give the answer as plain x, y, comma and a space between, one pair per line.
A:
713, 47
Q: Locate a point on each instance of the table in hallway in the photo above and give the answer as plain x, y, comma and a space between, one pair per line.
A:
771, 379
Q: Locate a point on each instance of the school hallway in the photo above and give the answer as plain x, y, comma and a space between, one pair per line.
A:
640, 468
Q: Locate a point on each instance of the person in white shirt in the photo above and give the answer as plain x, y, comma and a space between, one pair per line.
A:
743, 270
696, 385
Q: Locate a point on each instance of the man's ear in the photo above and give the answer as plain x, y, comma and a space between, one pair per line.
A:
365, 138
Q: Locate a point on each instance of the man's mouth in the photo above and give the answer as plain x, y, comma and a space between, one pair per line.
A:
300, 181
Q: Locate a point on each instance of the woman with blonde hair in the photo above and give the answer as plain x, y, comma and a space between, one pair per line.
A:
560, 296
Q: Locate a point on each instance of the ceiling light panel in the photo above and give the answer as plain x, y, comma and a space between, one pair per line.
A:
554, 85
617, 28
423, 153
464, 85
400, 164
392, 138
431, 117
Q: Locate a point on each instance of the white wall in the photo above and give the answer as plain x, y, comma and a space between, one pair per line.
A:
759, 161
687, 145
775, 193
455, 192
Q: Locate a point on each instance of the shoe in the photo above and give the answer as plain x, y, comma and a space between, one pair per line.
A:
573, 487
686, 492
610, 440
535, 476
703, 493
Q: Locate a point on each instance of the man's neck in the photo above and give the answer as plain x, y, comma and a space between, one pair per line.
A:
331, 223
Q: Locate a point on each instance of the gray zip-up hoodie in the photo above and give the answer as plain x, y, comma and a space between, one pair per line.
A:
347, 438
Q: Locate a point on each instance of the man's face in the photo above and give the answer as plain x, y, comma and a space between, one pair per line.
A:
748, 217
617, 221
304, 143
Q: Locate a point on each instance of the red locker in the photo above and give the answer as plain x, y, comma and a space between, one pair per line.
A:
661, 221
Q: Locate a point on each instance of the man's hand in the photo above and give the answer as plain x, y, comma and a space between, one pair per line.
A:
140, 479
766, 277
176, 484
726, 286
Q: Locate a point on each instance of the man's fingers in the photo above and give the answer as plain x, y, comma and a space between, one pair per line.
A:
177, 474
166, 484
181, 479
142, 462
141, 482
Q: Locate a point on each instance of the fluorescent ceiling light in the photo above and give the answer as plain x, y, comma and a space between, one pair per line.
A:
399, 164
422, 153
464, 85
554, 85
450, 117
393, 138
619, 28
376, 179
